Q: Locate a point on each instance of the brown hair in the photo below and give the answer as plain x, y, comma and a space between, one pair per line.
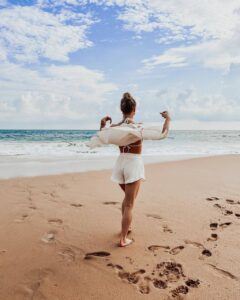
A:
128, 104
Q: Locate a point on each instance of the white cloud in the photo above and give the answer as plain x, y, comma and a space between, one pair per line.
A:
188, 20
54, 93
205, 19
170, 59
210, 28
193, 104
29, 33
216, 54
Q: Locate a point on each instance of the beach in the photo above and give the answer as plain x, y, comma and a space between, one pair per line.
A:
59, 234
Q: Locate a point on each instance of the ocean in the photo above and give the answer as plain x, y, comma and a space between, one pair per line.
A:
43, 152
72, 143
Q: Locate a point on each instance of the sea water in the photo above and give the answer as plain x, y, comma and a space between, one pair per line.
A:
69, 143
57, 147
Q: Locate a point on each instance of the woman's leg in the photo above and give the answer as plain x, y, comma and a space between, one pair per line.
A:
122, 186
131, 190
123, 203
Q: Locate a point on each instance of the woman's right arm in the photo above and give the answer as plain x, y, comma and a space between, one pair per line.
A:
104, 121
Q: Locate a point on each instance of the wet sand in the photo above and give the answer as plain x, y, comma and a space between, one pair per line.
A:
59, 235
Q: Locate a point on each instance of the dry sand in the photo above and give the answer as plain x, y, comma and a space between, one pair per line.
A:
186, 229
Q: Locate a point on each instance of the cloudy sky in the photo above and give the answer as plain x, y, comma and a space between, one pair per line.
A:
65, 64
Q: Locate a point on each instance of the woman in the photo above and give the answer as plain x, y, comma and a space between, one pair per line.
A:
129, 168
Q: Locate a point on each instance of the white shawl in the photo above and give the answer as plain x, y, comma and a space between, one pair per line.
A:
125, 134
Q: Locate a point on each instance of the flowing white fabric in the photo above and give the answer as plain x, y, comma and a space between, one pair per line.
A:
126, 134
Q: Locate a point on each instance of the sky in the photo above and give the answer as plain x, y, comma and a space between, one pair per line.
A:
66, 64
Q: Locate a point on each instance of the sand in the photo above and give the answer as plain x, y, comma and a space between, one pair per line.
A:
186, 228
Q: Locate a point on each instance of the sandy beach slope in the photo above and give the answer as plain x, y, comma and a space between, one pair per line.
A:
186, 229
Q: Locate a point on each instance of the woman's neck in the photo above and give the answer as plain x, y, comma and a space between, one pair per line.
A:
130, 116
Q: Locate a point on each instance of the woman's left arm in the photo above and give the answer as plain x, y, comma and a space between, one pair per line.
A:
155, 132
166, 124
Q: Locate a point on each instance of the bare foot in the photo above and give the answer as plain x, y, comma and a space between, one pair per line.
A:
125, 242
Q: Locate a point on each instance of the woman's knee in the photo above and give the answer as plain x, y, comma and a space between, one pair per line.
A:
129, 202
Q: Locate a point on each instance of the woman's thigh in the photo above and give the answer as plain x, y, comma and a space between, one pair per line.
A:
131, 190
122, 186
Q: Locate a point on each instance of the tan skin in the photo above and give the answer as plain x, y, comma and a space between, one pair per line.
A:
131, 189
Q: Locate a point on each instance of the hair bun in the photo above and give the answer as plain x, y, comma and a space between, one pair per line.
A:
127, 96
128, 103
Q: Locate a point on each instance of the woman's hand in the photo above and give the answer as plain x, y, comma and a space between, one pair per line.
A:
104, 121
165, 115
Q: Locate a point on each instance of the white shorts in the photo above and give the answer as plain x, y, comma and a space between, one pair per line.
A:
128, 168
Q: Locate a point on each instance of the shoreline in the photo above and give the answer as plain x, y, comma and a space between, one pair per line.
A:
15, 168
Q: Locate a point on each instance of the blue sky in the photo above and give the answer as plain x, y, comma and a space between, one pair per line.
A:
65, 64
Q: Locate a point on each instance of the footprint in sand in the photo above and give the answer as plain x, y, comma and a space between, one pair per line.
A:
76, 204
49, 237
98, 253
182, 289
159, 284
55, 221
213, 226
154, 216
225, 211
32, 207
130, 260
167, 229
237, 215
212, 199
167, 274
165, 226
144, 286
67, 254
53, 195
110, 203
196, 244
154, 248
224, 225
192, 283
222, 272
205, 252
131, 277
170, 271
176, 250
213, 237
230, 201
33, 280
22, 219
